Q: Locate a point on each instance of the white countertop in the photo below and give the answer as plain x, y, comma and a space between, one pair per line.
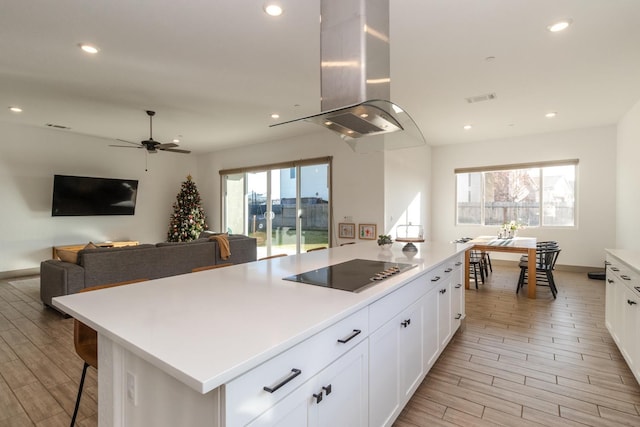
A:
630, 257
207, 328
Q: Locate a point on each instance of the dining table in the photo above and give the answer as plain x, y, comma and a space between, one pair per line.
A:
517, 245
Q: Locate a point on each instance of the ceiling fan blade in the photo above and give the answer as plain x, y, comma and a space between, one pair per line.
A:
128, 142
124, 146
167, 145
175, 150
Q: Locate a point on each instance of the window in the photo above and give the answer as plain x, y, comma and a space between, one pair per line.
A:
534, 195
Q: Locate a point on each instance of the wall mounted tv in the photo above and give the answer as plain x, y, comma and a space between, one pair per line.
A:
84, 196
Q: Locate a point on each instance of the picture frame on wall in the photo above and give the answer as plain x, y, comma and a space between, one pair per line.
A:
367, 231
346, 230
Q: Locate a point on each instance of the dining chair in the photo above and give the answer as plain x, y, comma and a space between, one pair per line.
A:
546, 257
211, 267
348, 243
272, 256
85, 341
476, 262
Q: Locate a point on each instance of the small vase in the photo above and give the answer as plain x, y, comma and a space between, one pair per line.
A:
385, 246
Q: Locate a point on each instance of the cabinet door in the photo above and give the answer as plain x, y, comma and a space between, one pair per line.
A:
610, 303
631, 319
444, 312
292, 411
344, 387
395, 364
431, 343
457, 304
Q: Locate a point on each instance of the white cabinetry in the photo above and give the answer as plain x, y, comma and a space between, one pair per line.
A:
337, 396
622, 309
457, 296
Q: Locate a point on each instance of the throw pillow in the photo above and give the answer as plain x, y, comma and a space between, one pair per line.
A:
90, 245
67, 256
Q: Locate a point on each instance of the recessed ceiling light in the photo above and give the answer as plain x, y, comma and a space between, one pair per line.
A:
15, 109
275, 116
273, 8
559, 26
88, 48
467, 127
328, 123
175, 140
364, 115
551, 114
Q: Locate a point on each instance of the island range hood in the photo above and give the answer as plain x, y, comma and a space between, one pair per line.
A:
355, 78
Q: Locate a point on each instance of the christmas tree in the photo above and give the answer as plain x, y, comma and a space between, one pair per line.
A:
188, 219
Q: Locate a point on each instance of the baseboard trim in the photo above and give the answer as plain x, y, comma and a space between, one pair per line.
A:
19, 273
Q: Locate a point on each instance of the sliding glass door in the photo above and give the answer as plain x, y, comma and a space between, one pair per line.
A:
287, 209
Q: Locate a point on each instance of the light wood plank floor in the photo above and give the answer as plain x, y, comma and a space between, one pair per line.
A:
519, 362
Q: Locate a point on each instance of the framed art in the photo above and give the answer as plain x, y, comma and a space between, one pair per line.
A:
346, 230
367, 231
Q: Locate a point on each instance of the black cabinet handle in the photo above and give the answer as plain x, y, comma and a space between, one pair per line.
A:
443, 291
435, 278
318, 397
609, 280
406, 323
625, 277
448, 270
458, 286
327, 389
458, 264
294, 373
615, 268
631, 302
607, 263
355, 333
459, 315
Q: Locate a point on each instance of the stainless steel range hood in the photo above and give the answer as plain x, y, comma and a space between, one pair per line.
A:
355, 74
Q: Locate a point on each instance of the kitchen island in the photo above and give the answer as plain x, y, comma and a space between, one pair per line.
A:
241, 345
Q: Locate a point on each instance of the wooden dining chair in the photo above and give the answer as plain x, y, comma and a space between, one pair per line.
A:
211, 267
272, 256
476, 262
546, 257
85, 341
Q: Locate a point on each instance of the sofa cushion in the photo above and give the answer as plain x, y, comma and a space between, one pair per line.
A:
67, 256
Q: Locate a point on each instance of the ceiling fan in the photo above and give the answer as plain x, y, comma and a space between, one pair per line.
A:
150, 144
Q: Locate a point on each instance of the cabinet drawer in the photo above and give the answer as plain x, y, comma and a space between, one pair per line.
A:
246, 397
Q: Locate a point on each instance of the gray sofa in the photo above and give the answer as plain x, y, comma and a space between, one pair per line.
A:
147, 261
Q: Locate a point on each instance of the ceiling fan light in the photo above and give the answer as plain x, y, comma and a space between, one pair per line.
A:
273, 8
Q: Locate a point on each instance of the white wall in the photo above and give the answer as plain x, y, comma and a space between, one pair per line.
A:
628, 177
30, 156
358, 179
596, 150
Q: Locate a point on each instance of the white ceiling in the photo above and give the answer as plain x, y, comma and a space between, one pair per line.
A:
214, 71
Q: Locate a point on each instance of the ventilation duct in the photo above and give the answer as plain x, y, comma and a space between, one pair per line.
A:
355, 78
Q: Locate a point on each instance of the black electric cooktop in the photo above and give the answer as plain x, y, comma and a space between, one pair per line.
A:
352, 276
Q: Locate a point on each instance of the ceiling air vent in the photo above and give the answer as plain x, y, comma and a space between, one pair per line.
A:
480, 98
53, 125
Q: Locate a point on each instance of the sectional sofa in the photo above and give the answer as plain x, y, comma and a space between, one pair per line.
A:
146, 261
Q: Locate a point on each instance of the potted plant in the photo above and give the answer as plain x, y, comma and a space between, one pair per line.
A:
384, 241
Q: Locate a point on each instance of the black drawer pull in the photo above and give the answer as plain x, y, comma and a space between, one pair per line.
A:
435, 278
458, 316
631, 302
625, 277
615, 268
318, 397
458, 286
327, 389
609, 280
294, 373
355, 333
406, 323
607, 263
448, 270
443, 291
458, 264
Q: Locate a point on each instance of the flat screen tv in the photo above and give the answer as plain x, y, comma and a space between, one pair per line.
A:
85, 196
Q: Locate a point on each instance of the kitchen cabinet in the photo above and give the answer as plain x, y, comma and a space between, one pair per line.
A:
457, 296
444, 311
337, 396
622, 306
395, 363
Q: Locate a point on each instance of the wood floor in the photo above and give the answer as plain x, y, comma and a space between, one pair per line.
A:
519, 362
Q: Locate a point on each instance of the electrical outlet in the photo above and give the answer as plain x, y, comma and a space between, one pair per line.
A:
132, 392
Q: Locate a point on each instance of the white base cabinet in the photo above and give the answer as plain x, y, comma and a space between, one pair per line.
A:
337, 396
622, 307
